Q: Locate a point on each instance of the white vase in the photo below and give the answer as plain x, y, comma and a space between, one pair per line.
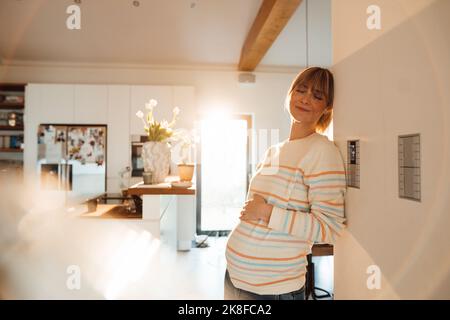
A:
156, 158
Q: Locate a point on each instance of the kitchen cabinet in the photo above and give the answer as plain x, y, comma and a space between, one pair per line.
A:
118, 134
90, 104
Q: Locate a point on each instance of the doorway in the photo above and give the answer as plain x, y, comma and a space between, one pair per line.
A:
223, 172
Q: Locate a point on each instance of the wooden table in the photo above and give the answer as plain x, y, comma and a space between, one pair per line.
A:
172, 209
111, 211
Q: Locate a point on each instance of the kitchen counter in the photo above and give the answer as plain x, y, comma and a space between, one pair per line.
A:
140, 189
111, 211
171, 209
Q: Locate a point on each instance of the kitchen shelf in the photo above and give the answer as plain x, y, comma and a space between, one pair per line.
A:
8, 106
15, 87
16, 150
11, 128
11, 106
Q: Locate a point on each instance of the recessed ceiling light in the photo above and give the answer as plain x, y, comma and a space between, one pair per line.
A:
136, 3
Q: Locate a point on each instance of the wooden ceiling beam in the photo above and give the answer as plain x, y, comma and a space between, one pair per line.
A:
272, 17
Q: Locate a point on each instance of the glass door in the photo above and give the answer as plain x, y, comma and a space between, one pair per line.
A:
223, 175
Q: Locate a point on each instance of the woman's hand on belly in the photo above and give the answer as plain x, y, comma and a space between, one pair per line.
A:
256, 209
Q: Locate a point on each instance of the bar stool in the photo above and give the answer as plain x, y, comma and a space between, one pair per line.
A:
310, 290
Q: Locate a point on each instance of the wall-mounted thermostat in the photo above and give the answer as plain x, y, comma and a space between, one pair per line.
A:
353, 163
409, 167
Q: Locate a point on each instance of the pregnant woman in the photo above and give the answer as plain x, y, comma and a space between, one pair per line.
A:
295, 199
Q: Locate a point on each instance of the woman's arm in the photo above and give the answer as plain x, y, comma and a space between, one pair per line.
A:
321, 225
324, 176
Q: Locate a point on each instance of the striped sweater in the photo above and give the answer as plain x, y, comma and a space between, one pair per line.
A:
304, 180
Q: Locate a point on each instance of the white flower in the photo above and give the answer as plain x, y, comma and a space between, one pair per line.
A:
140, 114
151, 104
164, 124
176, 111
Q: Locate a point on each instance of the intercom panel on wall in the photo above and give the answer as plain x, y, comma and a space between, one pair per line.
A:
353, 161
409, 180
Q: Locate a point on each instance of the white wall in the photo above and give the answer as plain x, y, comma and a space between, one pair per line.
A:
390, 82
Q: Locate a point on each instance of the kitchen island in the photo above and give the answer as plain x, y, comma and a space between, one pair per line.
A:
170, 210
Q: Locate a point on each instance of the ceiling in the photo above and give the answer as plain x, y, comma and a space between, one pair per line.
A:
157, 32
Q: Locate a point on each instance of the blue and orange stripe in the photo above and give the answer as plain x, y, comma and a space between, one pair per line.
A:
302, 255
271, 282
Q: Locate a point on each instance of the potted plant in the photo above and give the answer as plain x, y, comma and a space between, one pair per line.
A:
156, 151
186, 166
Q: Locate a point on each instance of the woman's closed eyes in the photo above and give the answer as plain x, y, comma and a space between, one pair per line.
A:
317, 94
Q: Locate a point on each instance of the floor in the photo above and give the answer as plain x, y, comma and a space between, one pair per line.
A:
198, 274
76, 259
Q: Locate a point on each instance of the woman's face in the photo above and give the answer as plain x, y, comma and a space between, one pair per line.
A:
306, 104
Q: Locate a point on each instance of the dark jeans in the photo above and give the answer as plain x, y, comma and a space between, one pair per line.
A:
233, 293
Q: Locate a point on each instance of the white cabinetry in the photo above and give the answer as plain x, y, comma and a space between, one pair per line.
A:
57, 103
118, 157
45, 103
90, 104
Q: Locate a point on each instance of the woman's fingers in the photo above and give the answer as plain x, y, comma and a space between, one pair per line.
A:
244, 214
247, 212
258, 198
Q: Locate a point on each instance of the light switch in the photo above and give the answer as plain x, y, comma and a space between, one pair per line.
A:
409, 167
353, 163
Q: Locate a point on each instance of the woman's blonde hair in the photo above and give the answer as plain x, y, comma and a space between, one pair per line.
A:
320, 79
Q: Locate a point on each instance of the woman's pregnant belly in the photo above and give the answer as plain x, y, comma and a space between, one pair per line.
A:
254, 246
